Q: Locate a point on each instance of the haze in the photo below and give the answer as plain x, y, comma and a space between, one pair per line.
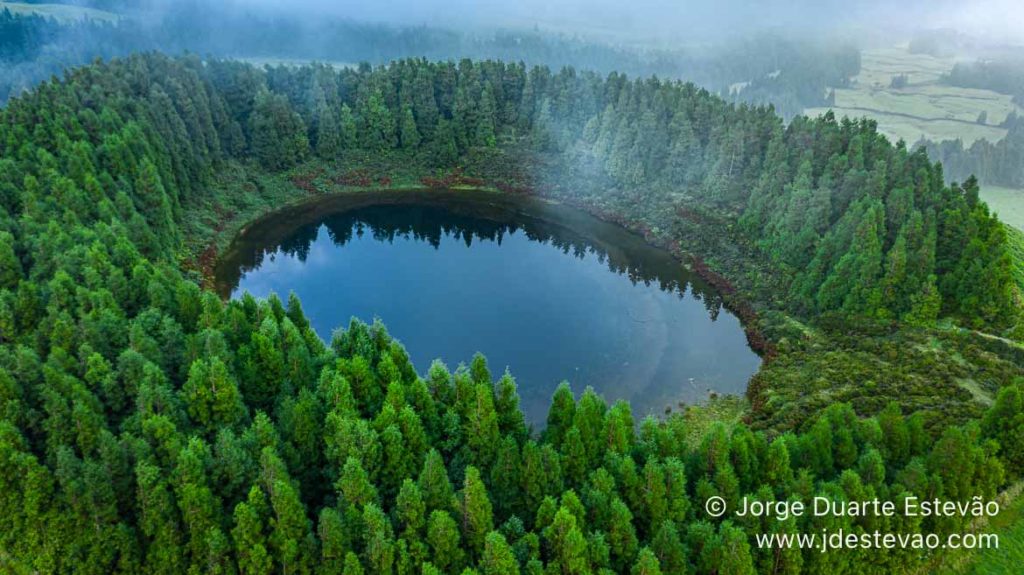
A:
682, 21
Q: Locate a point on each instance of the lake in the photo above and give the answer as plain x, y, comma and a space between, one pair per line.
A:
543, 289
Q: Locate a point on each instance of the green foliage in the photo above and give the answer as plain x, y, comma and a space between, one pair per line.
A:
211, 396
147, 426
278, 133
1005, 424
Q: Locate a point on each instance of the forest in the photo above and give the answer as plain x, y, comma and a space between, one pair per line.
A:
147, 426
1000, 163
996, 163
1004, 75
790, 73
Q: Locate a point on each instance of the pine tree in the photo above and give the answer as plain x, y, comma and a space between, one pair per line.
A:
669, 549
159, 522
482, 435
485, 127
10, 267
410, 511
560, 414
251, 545
647, 564
152, 203
734, 551
444, 540
505, 474
853, 284
279, 139
354, 484
445, 146
329, 137
574, 453
334, 540
567, 544
438, 494
409, 133
1004, 422
477, 514
348, 129
497, 558
211, 395
352, 565
379, 544
377, 132
506, 403
291, 532
621, 535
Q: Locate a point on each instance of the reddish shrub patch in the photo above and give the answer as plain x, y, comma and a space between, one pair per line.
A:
451, 179
306, 181
358, 177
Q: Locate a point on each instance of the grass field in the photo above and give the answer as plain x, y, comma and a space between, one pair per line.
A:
1007, 559
924, 108
1016, 241
1007, 202
62, 12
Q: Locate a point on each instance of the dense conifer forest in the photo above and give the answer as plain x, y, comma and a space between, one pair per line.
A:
147, 426
1000, 163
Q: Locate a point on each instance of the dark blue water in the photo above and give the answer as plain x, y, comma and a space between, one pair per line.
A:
543, 290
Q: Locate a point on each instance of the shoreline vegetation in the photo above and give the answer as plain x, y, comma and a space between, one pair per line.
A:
149, 426
359, 172
206, 259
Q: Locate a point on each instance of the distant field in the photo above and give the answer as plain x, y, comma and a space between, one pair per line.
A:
61, 12
1007, 202
924, 108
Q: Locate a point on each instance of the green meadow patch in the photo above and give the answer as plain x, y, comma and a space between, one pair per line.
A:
923, 108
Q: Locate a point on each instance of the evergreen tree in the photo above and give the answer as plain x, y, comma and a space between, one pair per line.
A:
438, 494
560, 414
211, 395
646, 564
567, 544
379, 544
443, 536
278, 138
477, 514
409, 133
10, 267
348, 128
377, 131
249, 535
329, 137
1005, 423
497, 558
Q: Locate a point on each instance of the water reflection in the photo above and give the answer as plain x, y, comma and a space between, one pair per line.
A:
525, 282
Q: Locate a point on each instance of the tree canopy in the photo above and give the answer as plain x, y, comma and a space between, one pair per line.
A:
148, 426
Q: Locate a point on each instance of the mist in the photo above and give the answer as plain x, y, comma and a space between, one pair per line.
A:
717, 44
679, 22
